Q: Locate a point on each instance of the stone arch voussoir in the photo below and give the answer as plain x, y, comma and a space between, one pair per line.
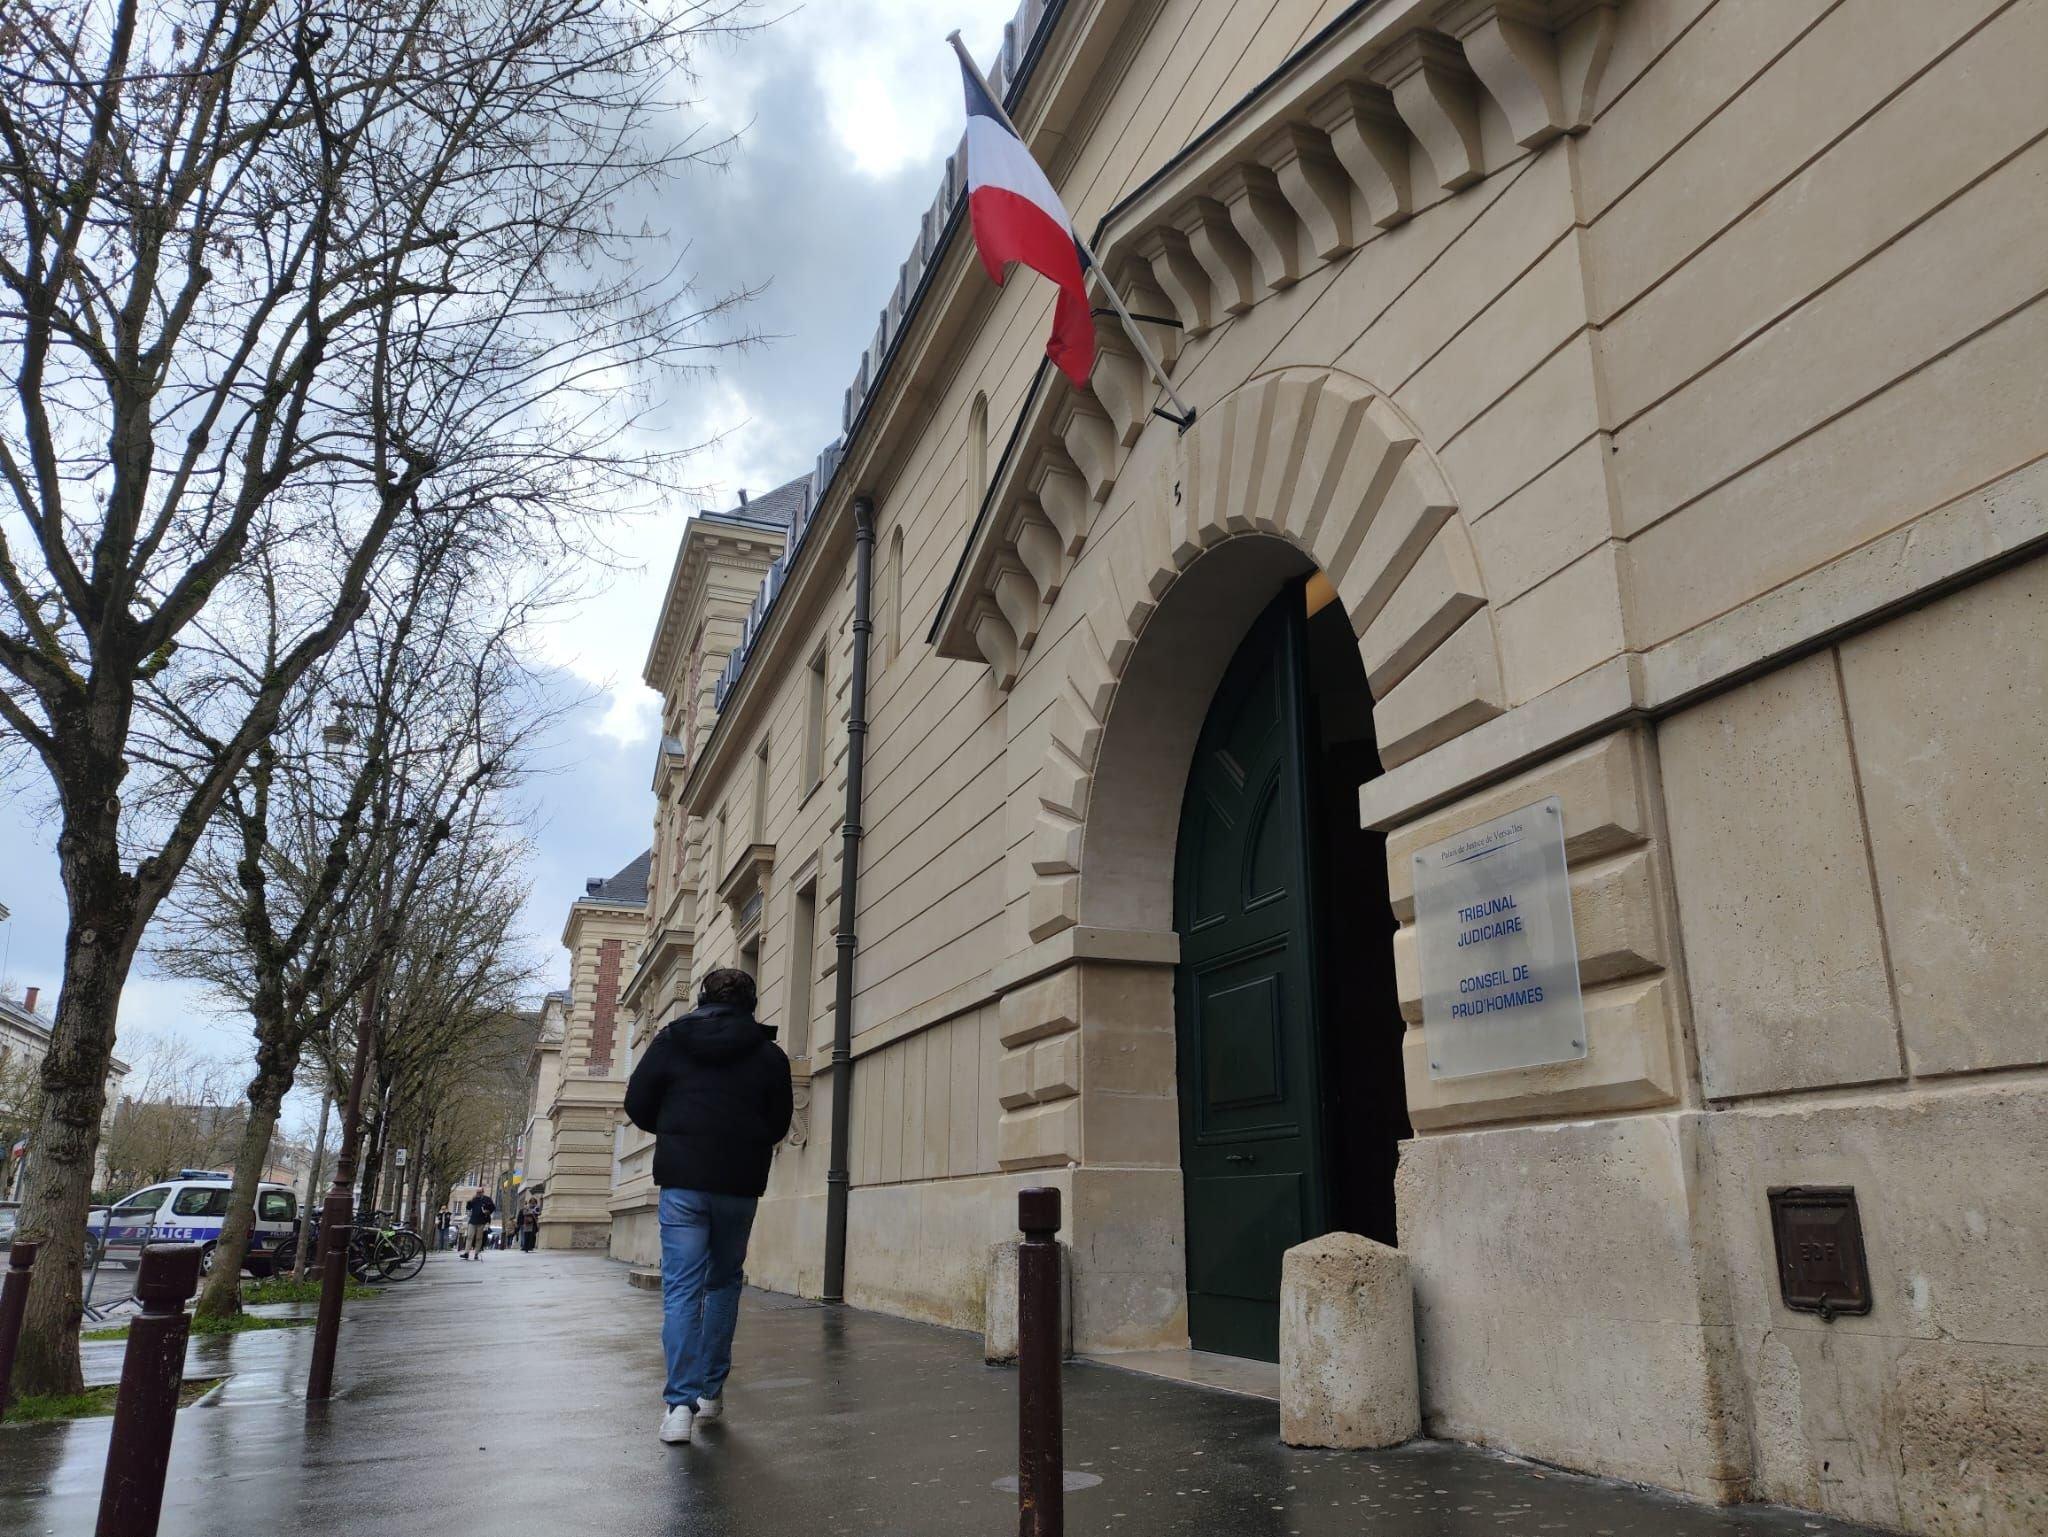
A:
1326, 463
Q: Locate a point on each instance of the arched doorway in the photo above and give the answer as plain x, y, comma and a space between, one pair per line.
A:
1287, 1025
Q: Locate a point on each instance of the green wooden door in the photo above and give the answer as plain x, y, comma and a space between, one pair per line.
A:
1250, 1085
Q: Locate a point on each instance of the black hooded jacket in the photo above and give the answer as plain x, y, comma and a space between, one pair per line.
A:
714, 1089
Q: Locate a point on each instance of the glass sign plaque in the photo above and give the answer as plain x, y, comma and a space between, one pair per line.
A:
1500, 968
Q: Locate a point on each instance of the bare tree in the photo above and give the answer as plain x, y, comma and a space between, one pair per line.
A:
452, 1001
278, 277
182, 1114
270, 915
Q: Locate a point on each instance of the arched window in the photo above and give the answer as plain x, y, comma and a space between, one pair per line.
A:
893, 615
977, 454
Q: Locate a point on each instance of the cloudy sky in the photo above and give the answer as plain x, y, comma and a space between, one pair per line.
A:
846, 111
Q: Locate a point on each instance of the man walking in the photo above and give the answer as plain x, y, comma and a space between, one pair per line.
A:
477, 1232
714, 1089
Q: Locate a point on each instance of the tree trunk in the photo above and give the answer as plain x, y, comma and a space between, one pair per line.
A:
222, 1295
372, 1160
311, 1202
98, 949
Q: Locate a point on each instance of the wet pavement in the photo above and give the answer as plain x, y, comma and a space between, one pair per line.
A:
521, 1393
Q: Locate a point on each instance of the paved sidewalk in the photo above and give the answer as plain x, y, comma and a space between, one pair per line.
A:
520, 1393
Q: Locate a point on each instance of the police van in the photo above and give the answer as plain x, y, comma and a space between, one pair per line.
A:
189, 1209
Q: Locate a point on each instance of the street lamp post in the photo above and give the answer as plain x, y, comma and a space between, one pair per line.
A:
337, 1213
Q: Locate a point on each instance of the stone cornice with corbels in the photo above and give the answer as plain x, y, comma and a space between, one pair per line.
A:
1295, 177
708, 539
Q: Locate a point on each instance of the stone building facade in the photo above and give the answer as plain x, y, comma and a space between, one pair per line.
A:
1631, 406
24, 1042
543, 1086
603, 935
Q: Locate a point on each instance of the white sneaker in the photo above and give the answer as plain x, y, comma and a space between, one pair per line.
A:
710, 1408
675, 1425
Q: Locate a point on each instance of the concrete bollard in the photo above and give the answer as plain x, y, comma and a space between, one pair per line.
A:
146, 1409
999, 1304
1041, 1470
21, 1260
1347, 1345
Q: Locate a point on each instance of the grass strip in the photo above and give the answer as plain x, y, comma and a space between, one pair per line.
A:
40, 1408
285, 1289
235, 1323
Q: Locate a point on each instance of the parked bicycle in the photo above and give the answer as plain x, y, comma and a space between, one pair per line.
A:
381, 1247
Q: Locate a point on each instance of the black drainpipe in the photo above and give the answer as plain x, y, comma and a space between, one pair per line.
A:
836, 1179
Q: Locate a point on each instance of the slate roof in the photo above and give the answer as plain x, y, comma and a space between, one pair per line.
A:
782, 508
628, 887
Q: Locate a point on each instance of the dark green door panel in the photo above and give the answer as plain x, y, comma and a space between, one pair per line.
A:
1250, 1090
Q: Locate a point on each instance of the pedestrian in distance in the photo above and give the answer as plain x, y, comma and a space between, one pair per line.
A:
480, 1210
714, 1089
529, 1225
447, 1231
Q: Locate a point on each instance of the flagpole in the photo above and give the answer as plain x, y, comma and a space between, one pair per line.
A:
1187, 412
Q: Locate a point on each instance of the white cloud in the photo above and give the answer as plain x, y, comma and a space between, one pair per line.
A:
602, 640
881, 73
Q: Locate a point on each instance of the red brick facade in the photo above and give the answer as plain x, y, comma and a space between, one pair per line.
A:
604, 1015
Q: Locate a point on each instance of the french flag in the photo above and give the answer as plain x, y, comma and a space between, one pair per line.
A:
1017, 217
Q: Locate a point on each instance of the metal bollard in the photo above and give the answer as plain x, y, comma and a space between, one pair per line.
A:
1041, 1461
337, 1218
146, 1410
13, 1303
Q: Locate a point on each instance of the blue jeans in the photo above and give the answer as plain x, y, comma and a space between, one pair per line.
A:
703, 1250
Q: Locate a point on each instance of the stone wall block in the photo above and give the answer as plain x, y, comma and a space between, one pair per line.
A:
1063, 786
1347, 1345
1203, 514
1047, 1006
1238, 507
1959, 836
1340, 415
1410, 509
1293, 417
1055, 845
1628, 1066
1013, 1079
1615, 904
1782, 933
1056, 1067
1089, 675
1358, 487
1440, 592
1606, 809
1408, 972
999, 1305
1561, 1306
1454, 689
1040, 1136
